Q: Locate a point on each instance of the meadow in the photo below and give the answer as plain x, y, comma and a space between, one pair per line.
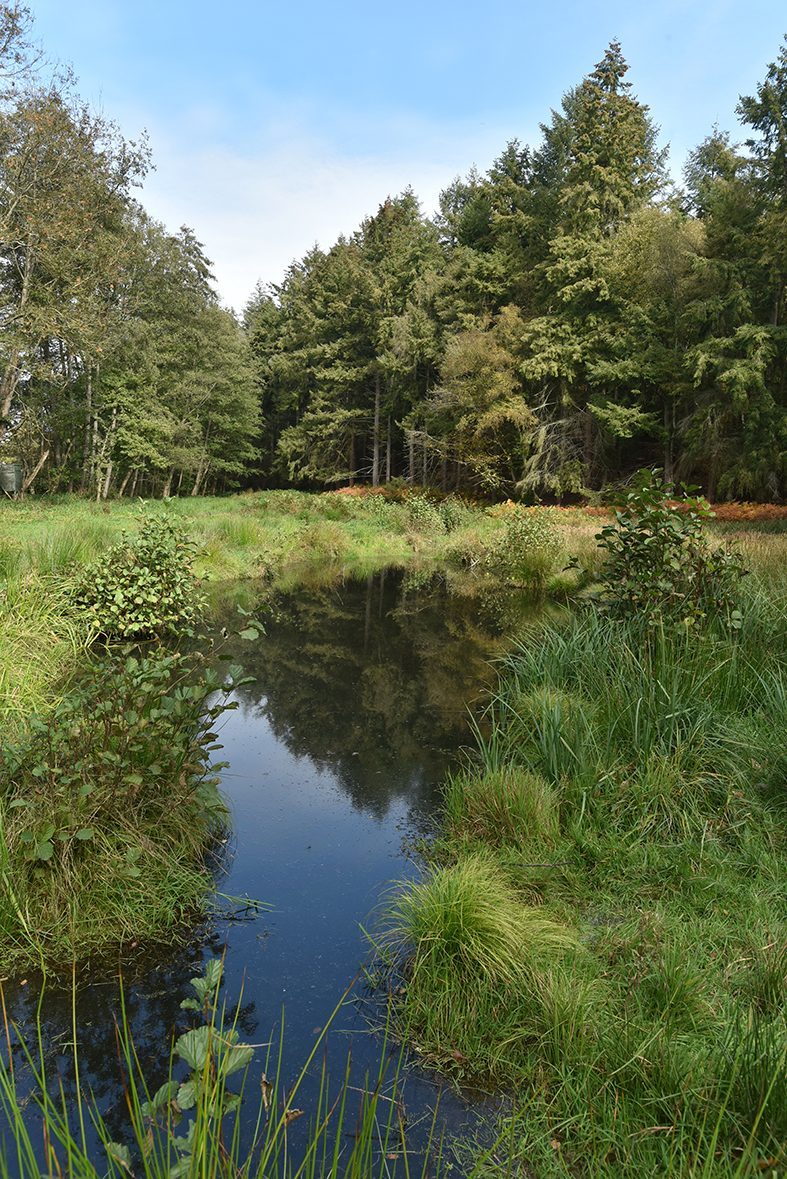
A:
599, 928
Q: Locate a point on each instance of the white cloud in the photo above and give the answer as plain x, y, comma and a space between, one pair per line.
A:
256, 212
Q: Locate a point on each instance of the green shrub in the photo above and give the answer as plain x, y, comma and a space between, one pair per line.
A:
110, 802
423, 513
386, 514
525, 550
143, 586
660, 567
505, 806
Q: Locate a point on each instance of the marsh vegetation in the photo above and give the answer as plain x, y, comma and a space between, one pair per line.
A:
577, 935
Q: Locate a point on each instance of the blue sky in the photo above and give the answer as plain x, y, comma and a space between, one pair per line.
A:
277, 125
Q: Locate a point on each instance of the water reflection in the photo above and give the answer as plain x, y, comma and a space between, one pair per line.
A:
360, 698
372, 683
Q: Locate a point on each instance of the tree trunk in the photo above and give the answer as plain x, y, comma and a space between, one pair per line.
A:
168, 484
11, 373
410, 457
88, 420
31, 477
107, 480
134, 482
587, 446
202, 470
124, 483
388, 453
8, 388
376, 438
102, 485
352, 459
668, 464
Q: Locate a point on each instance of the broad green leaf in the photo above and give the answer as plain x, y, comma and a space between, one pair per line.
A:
236, 1058
194, 1047
160, 1098
187, 1095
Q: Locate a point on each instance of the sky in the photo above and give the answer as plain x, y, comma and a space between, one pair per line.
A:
275, 126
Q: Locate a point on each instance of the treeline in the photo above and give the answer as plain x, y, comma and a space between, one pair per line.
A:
119, 371
565, 319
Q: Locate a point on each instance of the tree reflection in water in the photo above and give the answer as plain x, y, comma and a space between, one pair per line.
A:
360, 696
373, 680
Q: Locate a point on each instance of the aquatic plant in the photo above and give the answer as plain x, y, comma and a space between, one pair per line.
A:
203, 1119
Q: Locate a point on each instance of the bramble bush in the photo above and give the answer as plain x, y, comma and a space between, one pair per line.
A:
659, 565
144, 586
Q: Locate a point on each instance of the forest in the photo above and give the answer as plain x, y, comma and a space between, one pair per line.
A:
579, 311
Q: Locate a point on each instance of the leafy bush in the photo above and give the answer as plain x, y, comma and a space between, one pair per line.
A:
659, 565
423, 513
525, 549
109, 803
143, 586
387, 514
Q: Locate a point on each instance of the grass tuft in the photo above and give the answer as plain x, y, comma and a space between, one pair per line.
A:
509, 805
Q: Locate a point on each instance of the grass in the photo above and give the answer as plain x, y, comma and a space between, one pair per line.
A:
603, 928
484, 964
141, 870
629, 788
108, 810
282, 539
185, 1122
503, 806
41, 641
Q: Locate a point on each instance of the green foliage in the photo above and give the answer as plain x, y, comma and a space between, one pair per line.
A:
109, 804
212, 1053
660, 566
143, 586
525, 550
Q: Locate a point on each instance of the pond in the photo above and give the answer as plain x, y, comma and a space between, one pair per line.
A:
361, 699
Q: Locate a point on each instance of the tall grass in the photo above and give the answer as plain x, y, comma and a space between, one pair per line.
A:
660, 1045
476, 962
41, 640
508, 805
226, 1128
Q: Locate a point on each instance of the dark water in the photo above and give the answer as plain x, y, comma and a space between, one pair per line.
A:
360, 702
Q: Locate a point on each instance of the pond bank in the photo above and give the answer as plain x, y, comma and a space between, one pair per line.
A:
337, 749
